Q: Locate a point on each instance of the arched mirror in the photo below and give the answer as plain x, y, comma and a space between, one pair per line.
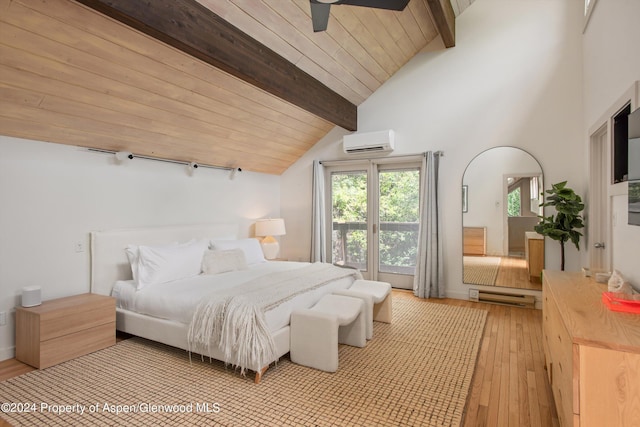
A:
501, 197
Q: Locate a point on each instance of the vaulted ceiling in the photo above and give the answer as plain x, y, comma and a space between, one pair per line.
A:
178, 82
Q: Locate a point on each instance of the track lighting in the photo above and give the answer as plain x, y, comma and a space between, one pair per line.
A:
232, 174
122, 155
191, 166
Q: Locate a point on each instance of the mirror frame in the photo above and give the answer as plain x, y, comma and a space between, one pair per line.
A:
463, 211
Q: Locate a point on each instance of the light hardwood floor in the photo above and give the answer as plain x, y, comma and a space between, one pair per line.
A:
513, 273
509, 387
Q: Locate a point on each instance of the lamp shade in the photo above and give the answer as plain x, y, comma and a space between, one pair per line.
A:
270, 227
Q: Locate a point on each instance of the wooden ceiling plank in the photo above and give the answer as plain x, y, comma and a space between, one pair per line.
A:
189, 26
425, 20
66, 113
389, 19
303, 39
205, 153
223, 113
350, 21
445, 20
408, 22
350, 45
259, 29
381, 34
133, 110
128, 40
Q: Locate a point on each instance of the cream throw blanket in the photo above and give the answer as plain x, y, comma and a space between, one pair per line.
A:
234, 319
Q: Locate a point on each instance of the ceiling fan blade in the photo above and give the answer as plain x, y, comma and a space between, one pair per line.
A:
378, 4
320, 15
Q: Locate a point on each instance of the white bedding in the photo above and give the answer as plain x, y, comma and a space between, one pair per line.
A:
177, 300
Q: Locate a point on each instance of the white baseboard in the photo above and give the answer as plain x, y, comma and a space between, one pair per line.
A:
7, 353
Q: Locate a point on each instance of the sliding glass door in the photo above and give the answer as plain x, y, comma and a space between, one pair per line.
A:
374, 220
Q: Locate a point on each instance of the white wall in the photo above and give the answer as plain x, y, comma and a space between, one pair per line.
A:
611, 65
513, 79
53, 195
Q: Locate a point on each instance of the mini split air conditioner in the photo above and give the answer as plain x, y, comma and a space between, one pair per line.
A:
368, 142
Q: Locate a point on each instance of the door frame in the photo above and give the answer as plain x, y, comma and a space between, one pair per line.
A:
603, 129
371, 166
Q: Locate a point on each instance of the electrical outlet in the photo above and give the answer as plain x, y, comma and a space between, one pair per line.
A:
79, 246
3, 318
474, 295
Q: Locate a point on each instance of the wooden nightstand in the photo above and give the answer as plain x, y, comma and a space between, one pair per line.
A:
62, 329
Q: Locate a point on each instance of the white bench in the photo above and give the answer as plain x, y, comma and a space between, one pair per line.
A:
377, 299
317, 331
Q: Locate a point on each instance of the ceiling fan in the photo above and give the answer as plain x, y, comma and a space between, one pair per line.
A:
320, 9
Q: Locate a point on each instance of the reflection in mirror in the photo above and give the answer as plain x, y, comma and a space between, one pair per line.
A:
501, 198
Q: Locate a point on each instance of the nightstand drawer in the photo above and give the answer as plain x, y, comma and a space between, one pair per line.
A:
70, 346
67, 322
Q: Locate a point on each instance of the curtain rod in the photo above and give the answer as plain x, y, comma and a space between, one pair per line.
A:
439, 153
177, 162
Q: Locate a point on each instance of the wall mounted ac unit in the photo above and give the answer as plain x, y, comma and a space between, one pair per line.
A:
369, 142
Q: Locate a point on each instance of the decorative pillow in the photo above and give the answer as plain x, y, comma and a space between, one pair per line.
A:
161, 264
251, 248
216, 262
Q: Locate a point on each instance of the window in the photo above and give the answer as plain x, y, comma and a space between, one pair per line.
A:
514, 202
621, 145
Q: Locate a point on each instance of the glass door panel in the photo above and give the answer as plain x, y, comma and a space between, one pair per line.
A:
349, 233
398, 211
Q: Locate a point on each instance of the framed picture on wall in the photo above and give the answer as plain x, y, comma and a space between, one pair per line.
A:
465, 198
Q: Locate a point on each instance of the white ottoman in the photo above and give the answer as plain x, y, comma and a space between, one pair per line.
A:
316, 332
381, 294
367, 299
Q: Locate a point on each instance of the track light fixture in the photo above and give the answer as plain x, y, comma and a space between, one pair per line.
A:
122, 155
191, 166
233, 172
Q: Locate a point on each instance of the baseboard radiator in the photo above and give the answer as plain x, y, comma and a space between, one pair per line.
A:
493, 297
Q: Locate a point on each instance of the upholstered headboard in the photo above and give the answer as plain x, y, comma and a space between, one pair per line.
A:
109, 261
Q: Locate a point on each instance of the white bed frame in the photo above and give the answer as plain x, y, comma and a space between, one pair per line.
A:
109, 264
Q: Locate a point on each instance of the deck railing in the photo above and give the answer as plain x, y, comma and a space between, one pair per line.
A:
398, 242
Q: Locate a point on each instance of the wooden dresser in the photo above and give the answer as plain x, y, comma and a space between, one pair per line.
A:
474, 240
62, 329
592, 354
534, 254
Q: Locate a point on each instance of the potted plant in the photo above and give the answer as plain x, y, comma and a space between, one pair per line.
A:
567, 220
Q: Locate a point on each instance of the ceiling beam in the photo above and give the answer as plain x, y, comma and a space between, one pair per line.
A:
192, 28
445, 20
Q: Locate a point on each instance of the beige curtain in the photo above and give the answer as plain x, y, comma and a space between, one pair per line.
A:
318, 220
429, 277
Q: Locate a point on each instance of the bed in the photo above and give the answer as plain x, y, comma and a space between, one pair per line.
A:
157, 314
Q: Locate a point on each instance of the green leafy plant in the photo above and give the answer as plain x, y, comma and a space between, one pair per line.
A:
563, 226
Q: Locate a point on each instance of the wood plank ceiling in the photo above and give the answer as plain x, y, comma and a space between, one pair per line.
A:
71, 75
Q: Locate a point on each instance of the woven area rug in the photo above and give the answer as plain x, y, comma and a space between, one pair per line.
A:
481, 270
415, 372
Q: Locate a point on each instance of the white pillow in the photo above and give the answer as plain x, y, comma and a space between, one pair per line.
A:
132, 255
161, 264
215, 262
251, 248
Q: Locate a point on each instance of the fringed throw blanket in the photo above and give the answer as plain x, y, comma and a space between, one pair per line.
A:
234, 319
